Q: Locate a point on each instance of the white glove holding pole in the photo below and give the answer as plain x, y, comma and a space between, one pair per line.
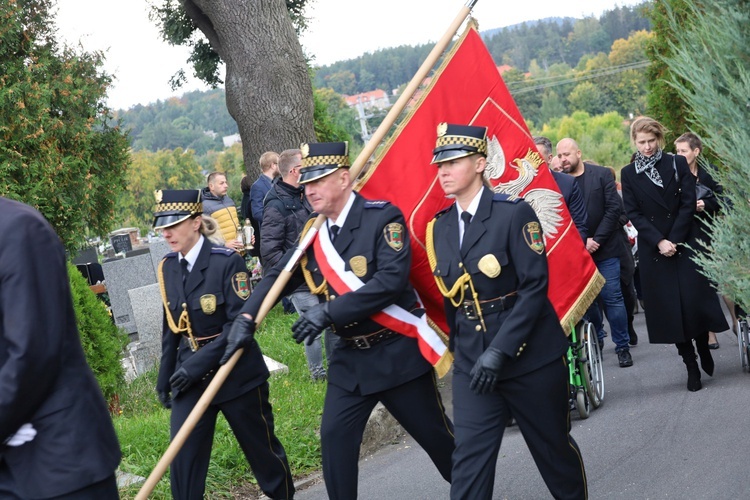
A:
23, 435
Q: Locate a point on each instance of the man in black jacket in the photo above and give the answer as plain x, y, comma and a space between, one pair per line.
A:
285, 211
56, 435
604, 209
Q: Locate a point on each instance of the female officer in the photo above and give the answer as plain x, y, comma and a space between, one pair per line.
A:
203, 288
509, 348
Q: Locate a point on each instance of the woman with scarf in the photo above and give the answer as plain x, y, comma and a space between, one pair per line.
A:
659, 196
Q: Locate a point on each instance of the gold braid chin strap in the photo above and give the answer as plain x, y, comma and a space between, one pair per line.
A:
458, 286
183, 324
321, 289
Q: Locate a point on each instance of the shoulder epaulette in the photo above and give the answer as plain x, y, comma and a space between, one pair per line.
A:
222, 251
506, 197
442, 212
376, 203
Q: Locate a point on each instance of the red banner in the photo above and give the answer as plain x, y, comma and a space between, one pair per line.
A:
468, 89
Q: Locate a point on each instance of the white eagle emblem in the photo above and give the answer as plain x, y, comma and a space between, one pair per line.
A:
547, 203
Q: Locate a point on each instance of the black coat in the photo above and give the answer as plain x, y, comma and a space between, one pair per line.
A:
45, 378
604, 210
680, 302
712, 206
530, 331
285, 211
394, 361
221, 273
574, 200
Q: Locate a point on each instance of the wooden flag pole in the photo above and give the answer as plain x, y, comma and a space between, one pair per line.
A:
283, 278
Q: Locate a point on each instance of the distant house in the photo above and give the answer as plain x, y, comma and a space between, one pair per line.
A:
228, 140
373, 99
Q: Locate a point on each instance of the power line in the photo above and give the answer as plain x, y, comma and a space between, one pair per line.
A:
568, 80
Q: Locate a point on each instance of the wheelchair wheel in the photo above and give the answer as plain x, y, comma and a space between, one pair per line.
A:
582, 404
594, 372
743, 340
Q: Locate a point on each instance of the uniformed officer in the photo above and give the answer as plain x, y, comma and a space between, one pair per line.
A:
203, 288
490, 265
358, 266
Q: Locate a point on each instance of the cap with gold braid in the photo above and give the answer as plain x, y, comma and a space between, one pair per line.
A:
175, 205
457, 141
322, 158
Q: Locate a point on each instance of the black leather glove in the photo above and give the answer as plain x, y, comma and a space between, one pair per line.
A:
311, 323
165, 399
241, 335
180, 380
486, 371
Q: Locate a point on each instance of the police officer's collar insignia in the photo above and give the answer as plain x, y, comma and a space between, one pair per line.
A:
358, 263
158, 195
489, 266
241, 285
532, 233
394, 236
208, 303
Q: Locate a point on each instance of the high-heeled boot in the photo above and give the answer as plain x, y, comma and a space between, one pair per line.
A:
688, 357
707, 361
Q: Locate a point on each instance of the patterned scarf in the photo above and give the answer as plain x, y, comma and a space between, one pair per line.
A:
647, 164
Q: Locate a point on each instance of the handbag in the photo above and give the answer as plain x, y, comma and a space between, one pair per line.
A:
702, 192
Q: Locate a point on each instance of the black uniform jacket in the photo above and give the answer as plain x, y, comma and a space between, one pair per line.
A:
44, 378
604, 209
364, 235
218, 272
682, 302
529, 332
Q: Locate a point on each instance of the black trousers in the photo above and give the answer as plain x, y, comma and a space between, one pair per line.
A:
416, 405
251, 419
539, 403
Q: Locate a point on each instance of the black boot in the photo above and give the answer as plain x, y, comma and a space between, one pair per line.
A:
707, 361
688, 357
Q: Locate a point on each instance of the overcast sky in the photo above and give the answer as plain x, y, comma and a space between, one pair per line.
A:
339, 29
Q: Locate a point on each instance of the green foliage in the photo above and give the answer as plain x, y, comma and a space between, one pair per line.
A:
143, 427
60, 151
709, 69
103, 343
602, 139
327, 128
664, 102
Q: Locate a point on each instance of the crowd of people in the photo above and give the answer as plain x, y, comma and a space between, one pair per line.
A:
363, 324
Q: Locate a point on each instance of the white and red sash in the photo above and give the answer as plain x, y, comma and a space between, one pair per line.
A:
393, 317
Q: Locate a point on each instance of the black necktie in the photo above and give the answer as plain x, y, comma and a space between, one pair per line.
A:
334, 230
185, 272
466, 217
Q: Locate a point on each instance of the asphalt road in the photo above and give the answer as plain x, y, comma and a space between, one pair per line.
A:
650, 439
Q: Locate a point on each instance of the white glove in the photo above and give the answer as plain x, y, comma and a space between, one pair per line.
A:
23, 435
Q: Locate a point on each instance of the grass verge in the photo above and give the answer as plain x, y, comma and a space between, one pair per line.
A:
143, 425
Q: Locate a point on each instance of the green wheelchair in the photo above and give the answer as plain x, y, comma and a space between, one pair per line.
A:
586, 369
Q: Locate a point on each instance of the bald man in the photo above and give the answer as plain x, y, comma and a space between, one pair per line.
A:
604, 220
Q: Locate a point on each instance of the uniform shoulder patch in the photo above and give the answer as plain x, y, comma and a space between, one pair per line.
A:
376, 203
222, 251
506, 197
241, 285
394, 236
532, 234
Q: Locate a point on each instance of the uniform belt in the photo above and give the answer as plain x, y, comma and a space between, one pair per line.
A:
201, 341
367, 341
469, 309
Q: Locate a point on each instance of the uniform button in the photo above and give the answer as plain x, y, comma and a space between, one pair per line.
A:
652, 218
669, 216
184, 305
478, 328
169, 303
332, 297
520, 349
466, 287
460, 264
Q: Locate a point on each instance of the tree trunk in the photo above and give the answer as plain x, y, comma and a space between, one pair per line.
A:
268, 88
